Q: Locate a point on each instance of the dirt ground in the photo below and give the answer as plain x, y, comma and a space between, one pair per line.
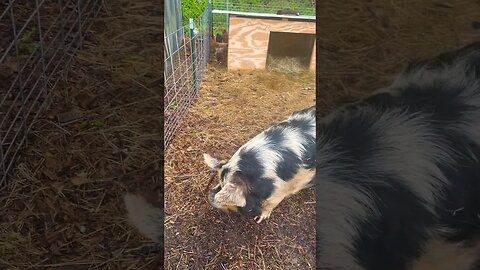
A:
63, 208
232, 107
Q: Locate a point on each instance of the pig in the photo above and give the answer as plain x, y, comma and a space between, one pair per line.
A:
288, 12
398, 172
273, 165
278, 162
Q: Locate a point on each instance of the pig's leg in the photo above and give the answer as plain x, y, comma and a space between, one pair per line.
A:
268, 207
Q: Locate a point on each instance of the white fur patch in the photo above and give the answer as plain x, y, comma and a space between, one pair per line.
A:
294, 141
211, 161
144, 216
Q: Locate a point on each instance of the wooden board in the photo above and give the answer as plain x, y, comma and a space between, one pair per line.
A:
313, 62
248, 40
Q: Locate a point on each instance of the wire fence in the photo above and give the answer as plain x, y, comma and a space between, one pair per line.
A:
186, 56
220, 21
38, 39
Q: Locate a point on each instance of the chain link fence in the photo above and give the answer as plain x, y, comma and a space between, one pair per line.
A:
38, 39
186, 55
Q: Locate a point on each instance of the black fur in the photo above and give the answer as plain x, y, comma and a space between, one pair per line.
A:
290, 163
249, 164
390, 242
260, 189
224, 173
395, 236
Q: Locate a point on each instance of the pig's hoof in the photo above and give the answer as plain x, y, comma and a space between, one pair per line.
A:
263, 216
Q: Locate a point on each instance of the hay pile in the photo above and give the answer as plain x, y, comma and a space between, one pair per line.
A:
63, 209
232, 108
287, 65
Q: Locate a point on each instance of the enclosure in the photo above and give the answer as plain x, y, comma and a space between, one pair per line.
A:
94, 121
188, 45
231, 108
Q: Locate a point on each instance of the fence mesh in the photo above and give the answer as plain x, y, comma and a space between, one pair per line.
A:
38, 39
186, 56
304, 7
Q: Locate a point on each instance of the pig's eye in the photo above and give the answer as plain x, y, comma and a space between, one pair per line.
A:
223, 174
250, 210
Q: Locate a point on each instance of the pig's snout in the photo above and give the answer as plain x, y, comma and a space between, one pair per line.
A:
211, 194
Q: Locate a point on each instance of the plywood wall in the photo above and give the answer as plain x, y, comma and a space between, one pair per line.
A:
313, 64
248, 40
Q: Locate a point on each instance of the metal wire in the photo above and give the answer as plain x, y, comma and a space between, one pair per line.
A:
38, 39
186, 57
304, 7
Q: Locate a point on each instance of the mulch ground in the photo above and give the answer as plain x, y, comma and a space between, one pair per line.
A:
232, 107
101, 136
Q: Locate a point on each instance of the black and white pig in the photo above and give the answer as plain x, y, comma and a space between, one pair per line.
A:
278, 162
398, 172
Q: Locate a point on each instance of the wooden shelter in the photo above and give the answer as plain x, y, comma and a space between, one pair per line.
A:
254, 36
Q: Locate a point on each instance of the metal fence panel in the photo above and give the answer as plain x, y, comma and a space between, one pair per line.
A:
173, 21
184, 69
38, 39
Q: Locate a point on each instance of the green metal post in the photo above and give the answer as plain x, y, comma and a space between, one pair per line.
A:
192, 52
211, 17
227, 17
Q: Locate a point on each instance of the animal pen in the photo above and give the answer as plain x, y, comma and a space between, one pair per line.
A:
255, 40
235, 105
38, 39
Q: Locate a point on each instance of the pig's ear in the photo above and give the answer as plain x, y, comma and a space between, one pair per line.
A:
213, 162
233, 192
